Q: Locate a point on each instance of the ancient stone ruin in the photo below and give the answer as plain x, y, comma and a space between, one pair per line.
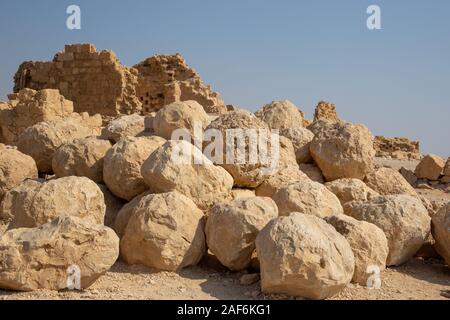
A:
97, 82
397, 148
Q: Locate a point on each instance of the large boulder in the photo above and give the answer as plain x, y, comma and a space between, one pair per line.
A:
368, 242
403, 219
348, 189
45, 257
281, 178
343, 150
122, 165
301, 139
113, 206
178, 165
247, 174
164, 231
312, 171
43, 139
307, 197
232, 227
15, 167
125, 126
180, 115
302, 255
430, 167
81, 157
36, 202
447, 168
281, 115
388, 181
124, 214
441, 232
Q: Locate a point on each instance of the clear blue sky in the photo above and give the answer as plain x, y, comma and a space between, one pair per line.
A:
395, 80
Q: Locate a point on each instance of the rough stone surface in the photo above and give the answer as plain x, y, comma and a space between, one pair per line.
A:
43, 139
81, 157
283, 177
343, 150
302, 255
15, 167
447, 168
180, 115
238, 193
122, 165
441, 232
164, 231
403, 219
307, 197
389, 181
326, 111
397, 148
312, 171
194, 176
348, 189
430, 167
36, 202
125, 126
113, 205
29, 107
301, 139
281, 115
232, 227
368, 242
43, 257
408, 175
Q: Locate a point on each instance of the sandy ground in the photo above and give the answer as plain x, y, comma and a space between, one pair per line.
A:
417, 280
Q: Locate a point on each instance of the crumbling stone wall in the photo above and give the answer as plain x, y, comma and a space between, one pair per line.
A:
398, 148
325, 111
167, 78
96, 82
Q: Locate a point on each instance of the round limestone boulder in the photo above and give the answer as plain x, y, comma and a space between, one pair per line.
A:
430, 167
45, 257
281, 115
312, 171
179, 166
441, 232
301, 139
126, 126
281, 178
15, 167
388, 181
302, 255
348, 189
37, 202
403, 219
113, 206
180, 115
82, 158
43, 139
232, 227
246, 174
164, 231
368, 242
307, 197
124, 214
343, 150
122, 165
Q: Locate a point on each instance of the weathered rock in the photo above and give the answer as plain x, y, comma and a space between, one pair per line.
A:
45, 257
302, 255
232, 227
281, 178
301, 139
408, 175
343, 150
122, 165
403, 219
312, 171
368, 243
237, 193
307, 197
430, 167
15, 167
178, 165
125, 126
397, 148
441, 232
43, 139
81, 157
113, 205
326, 111
164, 231
388, 181
348, 189
281, 115
186, 115
124, 214
36, 202
447, 168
